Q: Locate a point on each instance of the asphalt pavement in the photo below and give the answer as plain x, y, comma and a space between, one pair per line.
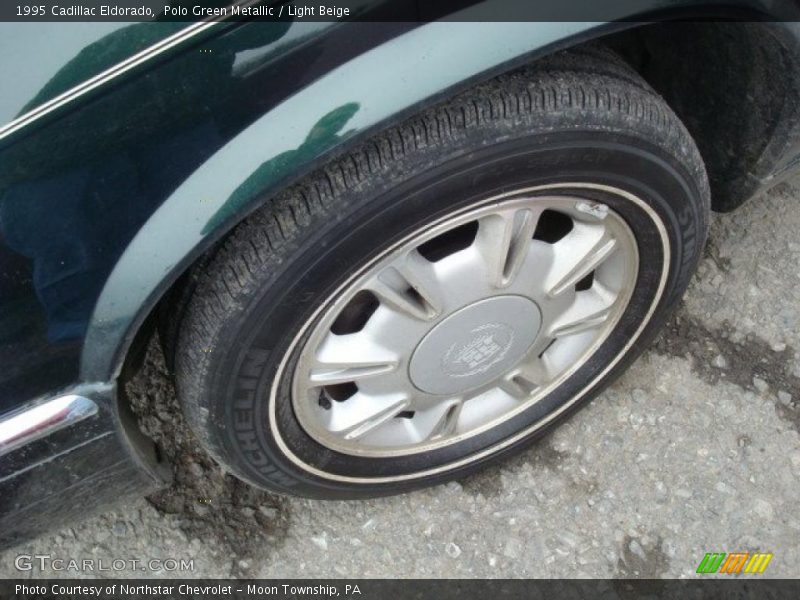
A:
695, 449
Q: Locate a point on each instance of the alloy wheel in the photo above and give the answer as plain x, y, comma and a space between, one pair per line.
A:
464, 324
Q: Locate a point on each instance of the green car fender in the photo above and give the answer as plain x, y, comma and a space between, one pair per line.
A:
373, 89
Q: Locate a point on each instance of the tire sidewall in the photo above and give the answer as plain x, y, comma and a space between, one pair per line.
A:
246, 360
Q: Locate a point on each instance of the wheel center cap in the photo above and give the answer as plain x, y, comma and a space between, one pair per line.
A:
475, 345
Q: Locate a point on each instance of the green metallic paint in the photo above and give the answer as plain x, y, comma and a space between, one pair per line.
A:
126, 49
378, 87
428, 61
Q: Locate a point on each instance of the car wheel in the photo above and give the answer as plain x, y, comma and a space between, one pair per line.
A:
444, 293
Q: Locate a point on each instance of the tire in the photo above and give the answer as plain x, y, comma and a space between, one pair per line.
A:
579, 133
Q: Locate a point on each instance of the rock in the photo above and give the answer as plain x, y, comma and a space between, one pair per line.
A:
320, 541
102, 535
636, 548
720, 362
636, 420
119, 528
661, 490
269, 512
761, 385
370, 524
764, 509
568, 538
452, 550
795, 458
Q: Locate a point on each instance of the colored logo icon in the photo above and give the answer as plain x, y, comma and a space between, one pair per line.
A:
734, 562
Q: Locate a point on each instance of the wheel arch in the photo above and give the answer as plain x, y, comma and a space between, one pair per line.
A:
323, 119
738, 95
303, 132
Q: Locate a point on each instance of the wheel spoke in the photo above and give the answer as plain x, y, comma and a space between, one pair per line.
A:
448, 422
571, 326
518, 386
536, 370
420, 274
375, 420
589, 310
528, 376
580, 263
409, 288
504, 239
349, 374
347, 358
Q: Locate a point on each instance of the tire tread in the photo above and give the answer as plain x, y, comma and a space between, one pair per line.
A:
558, 92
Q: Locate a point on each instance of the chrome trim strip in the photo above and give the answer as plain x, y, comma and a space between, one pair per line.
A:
29, 424
112, 72
101, 78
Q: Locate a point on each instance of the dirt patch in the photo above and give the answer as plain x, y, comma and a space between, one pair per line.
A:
711, 251
211, 504
641, 560
489, 483
752, 364
545, 455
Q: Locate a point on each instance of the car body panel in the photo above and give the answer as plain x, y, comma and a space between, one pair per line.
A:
107, 199
20, 42
74, 471
287, 142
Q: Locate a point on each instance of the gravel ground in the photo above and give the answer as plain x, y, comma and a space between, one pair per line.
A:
695, 449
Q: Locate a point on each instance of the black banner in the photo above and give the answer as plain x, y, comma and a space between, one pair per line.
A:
394, 10
398, 589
